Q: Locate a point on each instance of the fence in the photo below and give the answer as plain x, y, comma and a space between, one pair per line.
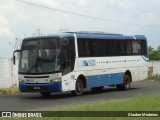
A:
154, 68
9, 72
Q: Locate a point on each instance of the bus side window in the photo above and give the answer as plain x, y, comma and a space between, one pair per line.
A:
129, 48
143, 47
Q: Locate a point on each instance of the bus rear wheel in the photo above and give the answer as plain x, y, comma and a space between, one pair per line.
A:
126, 83
78, 88
45, 94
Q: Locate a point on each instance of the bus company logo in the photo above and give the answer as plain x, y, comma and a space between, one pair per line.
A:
6, 114
89, 63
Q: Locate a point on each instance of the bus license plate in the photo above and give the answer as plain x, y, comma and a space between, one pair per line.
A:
36, 88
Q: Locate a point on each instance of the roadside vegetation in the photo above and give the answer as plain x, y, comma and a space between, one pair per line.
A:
9, 91
154, 78
141, 103
154, 54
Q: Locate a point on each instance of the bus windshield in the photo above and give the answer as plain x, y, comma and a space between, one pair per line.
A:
40, 56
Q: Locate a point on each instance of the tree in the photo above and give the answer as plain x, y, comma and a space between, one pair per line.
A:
151, 50
158, 48
154, 54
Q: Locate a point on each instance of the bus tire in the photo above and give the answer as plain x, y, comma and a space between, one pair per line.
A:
126, 83
45, 94
97, 89
78, 88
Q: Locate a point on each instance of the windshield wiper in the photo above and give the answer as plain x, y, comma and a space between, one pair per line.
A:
34, 65
37, 64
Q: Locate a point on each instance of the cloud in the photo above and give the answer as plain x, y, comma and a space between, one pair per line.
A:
121, 4
4, 22
4, 26
18, 18
48, 3
82, 2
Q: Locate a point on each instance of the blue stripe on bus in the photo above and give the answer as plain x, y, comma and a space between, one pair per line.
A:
104, 80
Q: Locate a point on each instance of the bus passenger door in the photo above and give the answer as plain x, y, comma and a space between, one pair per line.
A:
65, 57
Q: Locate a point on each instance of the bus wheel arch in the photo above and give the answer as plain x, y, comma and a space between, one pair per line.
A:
129, 74
79, 85
126, 83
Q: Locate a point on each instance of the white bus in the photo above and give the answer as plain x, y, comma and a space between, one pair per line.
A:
74, 61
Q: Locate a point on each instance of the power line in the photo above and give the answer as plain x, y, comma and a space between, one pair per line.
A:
87, 16
154, 41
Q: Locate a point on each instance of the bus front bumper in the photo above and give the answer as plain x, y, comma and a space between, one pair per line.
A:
49, 87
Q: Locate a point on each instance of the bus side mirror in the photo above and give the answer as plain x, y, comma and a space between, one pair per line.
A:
14, 57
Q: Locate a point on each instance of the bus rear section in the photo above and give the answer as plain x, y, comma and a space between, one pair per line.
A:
110, 60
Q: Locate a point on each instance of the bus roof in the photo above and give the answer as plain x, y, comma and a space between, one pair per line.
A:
91, 35
103, 35
60, 35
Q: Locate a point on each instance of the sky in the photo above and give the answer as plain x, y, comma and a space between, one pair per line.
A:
19, 20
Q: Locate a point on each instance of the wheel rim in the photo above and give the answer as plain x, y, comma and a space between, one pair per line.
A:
127, 82
79, 87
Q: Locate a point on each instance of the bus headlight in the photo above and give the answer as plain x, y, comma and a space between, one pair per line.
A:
56, 80
21, 81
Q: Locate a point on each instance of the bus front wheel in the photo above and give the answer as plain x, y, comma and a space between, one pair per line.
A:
78, 88
126, 83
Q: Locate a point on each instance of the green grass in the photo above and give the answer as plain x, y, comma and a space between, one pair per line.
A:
141, 103
154, 78
9, 91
